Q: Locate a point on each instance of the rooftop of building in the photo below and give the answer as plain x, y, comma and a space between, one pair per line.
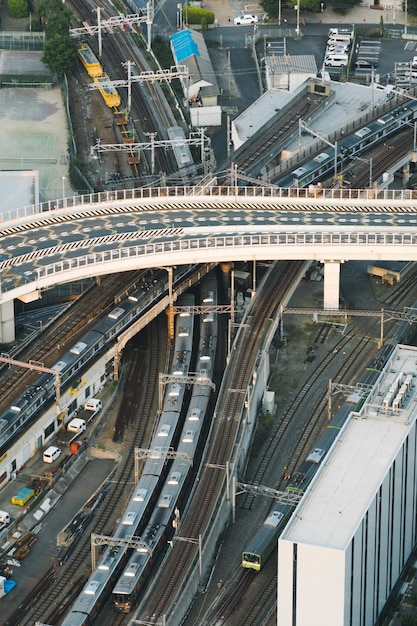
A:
350, 102
352, 472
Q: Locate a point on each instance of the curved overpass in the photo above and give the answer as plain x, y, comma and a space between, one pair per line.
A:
118, 231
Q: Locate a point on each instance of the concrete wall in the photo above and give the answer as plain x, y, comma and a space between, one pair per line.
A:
351, 586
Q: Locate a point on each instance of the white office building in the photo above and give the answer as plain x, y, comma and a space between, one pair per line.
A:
347, 543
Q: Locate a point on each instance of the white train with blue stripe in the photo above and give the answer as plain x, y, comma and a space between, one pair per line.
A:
326, 162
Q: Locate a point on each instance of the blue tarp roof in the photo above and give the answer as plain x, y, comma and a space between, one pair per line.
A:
184, 45
9, 585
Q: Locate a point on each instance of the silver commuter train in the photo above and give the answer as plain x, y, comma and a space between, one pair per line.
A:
136, 514
160, 528
350, 146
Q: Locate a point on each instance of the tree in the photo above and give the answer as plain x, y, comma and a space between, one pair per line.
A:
343, 6
271, 7
413, 596
411, 7
408, 619
18, 8
59, 53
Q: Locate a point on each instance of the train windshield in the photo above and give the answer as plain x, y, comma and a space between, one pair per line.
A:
250, 557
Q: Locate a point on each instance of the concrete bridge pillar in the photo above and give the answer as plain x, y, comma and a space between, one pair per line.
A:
406, 173
7, 330
331, 284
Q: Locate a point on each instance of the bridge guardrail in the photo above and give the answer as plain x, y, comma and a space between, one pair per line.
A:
93, 201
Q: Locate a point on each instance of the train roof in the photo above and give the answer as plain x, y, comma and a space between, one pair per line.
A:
74, 619
266, 531
131, 573
337, 497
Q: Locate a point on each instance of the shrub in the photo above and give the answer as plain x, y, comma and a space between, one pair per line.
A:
195, 15
18, 8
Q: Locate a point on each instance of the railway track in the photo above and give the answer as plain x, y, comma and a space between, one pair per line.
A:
50, 601
225, 428
249, 159
262, 602
149, 111
54, 339
395, 297
259, 606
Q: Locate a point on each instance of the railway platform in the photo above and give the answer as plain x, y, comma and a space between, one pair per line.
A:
392, 14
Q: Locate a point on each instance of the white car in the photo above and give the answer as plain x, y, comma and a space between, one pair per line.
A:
246, 19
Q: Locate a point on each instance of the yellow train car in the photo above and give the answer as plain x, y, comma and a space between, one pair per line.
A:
109, 93
89, 60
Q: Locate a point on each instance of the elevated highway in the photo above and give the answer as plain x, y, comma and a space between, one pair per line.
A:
110, 232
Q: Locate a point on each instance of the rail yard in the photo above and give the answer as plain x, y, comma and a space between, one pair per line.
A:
165, 550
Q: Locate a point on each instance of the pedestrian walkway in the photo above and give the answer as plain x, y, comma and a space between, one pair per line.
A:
226, 10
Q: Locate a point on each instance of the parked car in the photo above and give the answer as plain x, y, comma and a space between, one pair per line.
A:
365, 63
246, 18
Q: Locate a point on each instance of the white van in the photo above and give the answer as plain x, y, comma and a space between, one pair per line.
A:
343, 39
93, 405
336, 60
51, 454
77, 425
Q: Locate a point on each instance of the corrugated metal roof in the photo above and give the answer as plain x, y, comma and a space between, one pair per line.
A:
184, 45
189, 48
297, 64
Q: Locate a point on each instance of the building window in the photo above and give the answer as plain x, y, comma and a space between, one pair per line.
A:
49, 430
